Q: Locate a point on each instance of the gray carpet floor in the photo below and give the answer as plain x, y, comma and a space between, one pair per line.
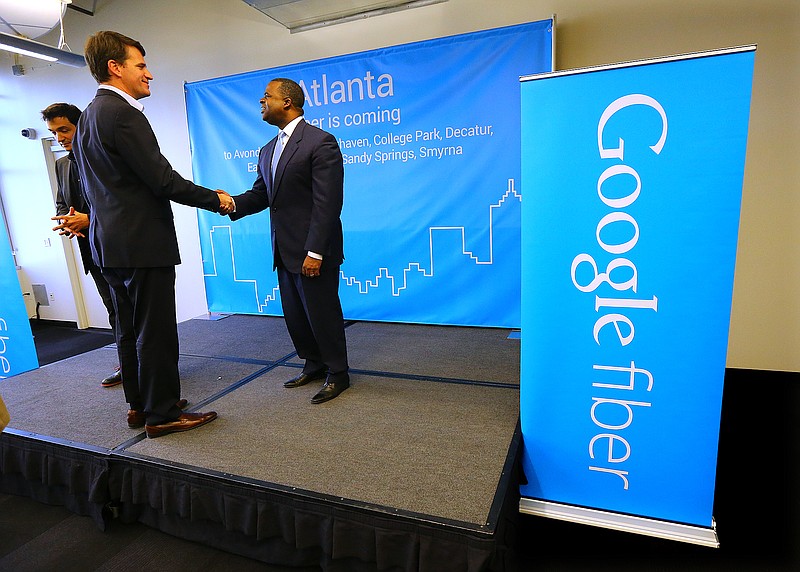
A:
64, 399
400, 437
476, 354
237, 336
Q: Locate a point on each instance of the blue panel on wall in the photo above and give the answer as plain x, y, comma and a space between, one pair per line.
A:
430, 134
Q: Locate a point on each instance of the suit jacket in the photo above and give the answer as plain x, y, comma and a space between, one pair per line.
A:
129, 185
305, 200
68, 195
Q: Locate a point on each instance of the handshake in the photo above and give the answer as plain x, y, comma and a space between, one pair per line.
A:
226, 204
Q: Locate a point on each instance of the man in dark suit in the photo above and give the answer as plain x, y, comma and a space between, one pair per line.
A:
72, 211
129, 185
301, 180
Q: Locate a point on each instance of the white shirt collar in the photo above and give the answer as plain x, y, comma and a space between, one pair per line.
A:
134, 103
290, 127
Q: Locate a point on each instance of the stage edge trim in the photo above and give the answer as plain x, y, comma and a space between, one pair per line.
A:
624, 522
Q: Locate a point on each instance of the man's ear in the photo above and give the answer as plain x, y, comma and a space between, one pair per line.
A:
113, 68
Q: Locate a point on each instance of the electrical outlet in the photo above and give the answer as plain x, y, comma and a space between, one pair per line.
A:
52, 297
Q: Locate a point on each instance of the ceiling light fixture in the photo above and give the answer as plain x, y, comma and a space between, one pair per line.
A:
34, 18
38, 50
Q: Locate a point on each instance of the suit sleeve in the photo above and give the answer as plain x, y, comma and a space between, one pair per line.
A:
139, 148
61, 204
327, 194
256, 199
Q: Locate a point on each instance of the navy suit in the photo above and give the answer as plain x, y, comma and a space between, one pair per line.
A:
305, 204
129, 185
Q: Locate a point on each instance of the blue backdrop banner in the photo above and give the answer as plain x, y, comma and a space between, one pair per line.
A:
633, 178
17, 352
430, 134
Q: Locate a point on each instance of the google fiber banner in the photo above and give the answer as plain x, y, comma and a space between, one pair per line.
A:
430, 134
633, 178
17, 351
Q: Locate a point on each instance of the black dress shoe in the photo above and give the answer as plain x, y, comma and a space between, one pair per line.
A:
305, 378
113, 379
331, 389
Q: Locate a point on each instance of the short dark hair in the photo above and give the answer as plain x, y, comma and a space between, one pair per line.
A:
289, 88
105, 46
71, 112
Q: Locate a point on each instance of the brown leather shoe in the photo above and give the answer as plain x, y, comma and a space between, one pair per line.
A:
186, 422
136, 419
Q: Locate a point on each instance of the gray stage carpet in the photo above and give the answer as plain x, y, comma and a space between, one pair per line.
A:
425, 427
475, 354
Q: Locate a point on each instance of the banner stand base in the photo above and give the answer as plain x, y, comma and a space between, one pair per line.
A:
626, 523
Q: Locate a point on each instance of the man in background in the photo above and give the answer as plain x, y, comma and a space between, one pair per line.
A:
301, 180
129, 185
72, 211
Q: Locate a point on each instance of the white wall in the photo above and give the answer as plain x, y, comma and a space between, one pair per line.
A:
28, 200
190, 40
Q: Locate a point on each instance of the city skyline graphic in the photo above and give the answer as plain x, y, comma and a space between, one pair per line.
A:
233, 283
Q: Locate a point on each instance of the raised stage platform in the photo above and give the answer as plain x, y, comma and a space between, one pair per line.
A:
412, 468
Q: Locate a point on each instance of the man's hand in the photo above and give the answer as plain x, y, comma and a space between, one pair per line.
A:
226, 204
71, 224
311, 267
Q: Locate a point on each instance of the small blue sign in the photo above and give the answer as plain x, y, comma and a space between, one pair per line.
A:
17, 352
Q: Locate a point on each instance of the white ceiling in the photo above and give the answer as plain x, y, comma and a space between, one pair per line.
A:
299, 15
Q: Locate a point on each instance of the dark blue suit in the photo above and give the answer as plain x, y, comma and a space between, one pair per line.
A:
129, 185
305, 204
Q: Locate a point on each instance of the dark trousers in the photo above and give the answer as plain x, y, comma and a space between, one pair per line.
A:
147, 339
105, 295
313, 315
